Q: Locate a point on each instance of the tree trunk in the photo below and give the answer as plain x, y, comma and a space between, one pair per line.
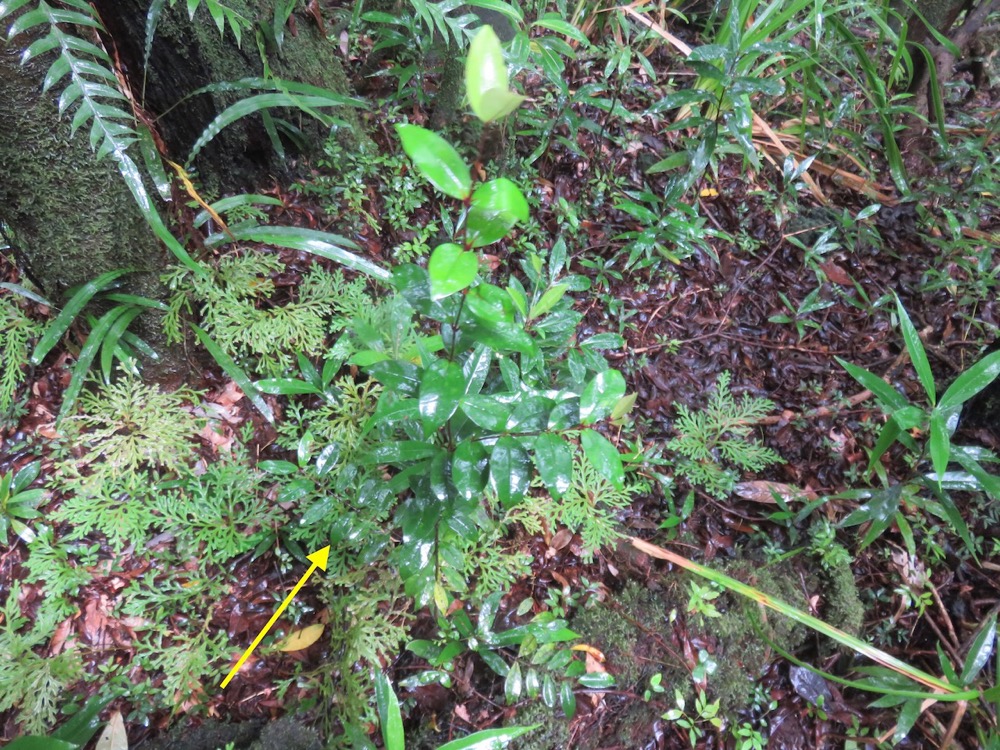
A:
71, 215
187, 54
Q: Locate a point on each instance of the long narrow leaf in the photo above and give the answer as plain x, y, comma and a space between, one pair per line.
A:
86, 358
323, 244
915, 348
845, 639
233, 370
26, 293
65, 318
111, 347
256, 103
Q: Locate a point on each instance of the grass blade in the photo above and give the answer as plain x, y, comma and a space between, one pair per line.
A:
845, 639
65, 318
233, 370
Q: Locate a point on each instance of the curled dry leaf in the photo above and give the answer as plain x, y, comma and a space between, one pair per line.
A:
113, 737
764, 492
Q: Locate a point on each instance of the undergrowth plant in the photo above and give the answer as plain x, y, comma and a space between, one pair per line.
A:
18, 331
938, 420
126, 438
722, 433
29, 682
237, 306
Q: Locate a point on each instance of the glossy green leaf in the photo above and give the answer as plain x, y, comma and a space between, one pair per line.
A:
488, 739
83, 725
554, 461
885, 393
496, 206
510, 471
489, 305
600, 396
41, 743
604, 457
401, 452
597, 680
389, 715
475, 368
436, 160
548, 300
233, 370
286, 387
980, 651
531, 414
451, 270
307, 103
56, 329
940, 443
918, 356
550, 691
601, 341
972, 381
468, 468
905, 720
323, 244
442, 387
567, 699
488, 411
513, 685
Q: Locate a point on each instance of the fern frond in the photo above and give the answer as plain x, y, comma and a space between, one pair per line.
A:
721, 432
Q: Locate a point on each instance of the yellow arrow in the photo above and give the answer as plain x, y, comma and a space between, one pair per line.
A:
318, 559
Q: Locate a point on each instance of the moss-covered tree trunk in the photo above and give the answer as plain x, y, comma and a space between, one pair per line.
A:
190, 53
72, 216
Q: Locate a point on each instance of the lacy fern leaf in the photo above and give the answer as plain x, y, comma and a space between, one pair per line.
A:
721, 432
17, 331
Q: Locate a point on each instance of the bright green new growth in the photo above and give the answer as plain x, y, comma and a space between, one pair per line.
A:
129, 434
236, 308
722, 431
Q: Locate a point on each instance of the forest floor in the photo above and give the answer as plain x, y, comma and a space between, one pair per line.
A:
772, 312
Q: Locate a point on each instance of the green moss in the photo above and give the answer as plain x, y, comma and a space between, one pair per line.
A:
743, 655
633, 633
843, 606
551, 734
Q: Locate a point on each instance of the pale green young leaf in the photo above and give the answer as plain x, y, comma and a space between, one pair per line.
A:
486, 79
436, 160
